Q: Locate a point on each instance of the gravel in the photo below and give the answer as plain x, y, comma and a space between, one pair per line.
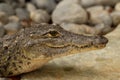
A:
90, 13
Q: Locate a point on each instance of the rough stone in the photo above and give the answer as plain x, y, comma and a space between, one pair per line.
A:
40, 16
101, 64
48, 5
71, 12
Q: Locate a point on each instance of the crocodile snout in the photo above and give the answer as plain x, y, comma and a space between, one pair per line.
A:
100, 41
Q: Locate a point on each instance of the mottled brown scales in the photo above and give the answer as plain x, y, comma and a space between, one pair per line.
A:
31, 48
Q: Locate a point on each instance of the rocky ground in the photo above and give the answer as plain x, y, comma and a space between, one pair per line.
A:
97, 17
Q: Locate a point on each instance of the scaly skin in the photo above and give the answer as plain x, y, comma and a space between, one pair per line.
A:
31, 48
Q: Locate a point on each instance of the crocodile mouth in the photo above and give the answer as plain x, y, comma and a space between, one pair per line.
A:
77, 46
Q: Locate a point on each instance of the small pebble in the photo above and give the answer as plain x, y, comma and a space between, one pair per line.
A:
23, 14
117, 7
115, 17
2, 31
13, 18
70, 12
12, 27
3, 17
30, 7
40, 16
6, 8
98, 15
48, 5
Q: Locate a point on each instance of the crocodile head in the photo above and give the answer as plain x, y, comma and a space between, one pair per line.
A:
32, 47
52, 40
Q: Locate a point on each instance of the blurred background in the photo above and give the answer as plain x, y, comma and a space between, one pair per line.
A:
96, 17
92, 17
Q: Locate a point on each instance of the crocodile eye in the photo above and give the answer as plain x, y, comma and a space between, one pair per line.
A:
52, 34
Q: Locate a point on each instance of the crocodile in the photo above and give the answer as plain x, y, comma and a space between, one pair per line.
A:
31, 48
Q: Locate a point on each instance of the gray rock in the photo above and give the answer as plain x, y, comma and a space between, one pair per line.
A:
23, 14
6, 8
3, 17
2, 30
101, 64
40, 16
67, 11
12, 27
13, 18
117, 7
30, 7
88, 3
98, 15
48, 5
116, 17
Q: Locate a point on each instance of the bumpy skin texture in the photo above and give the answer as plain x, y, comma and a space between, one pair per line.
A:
31, 48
